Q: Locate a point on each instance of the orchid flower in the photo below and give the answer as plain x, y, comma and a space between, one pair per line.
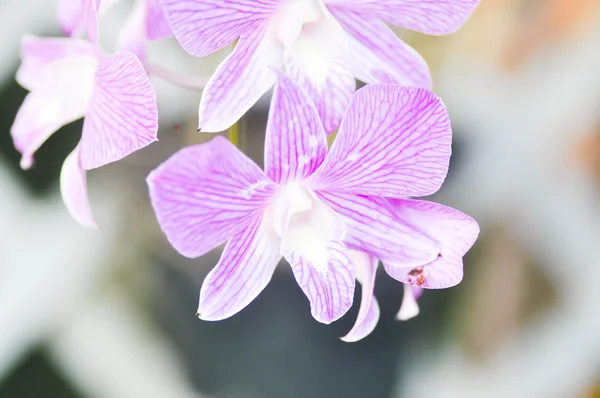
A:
309, 205
455, 231
322, 44
68, 78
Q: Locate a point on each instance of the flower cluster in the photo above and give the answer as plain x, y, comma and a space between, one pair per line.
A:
333, 213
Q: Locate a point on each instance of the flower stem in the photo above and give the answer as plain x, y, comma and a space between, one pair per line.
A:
189, 82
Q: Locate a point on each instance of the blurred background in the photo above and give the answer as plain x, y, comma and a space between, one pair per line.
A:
110, 314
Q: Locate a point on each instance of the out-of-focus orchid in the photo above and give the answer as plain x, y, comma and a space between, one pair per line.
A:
455, 231
147, 22
322, 44
309, 205
68, 78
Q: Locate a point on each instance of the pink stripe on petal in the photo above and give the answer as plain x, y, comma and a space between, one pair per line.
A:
377, 55
394, 141
244, 270
331, 97
368, 315
37, 53
433, 17
372, 227
123, 115
330, 290
207, 193
204, 26
73, 187
239, 81
295, 142
456, 233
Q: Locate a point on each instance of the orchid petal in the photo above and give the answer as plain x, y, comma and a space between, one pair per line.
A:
409, 308
329, 290
373, 227
244, 270
157, 26
368, 315
204, 26
133, 36
378, 55
456, 233
332, 96
37, 53
77, 17
61, 96
123, 115
239, 81
295, 142
207, 193
313, 245
438, 17
394, 141
73, 187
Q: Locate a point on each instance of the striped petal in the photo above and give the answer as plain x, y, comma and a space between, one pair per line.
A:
37, 53
73, 188
378, 55
239, 81
394, 142
122, 116
244, 270
332, 96
204, 26
433, 17
372, 227
368, 315
61, 95
207, 193
295, 142
456, 233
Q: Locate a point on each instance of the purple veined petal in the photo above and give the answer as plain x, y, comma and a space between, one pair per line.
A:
409, 308
244, 270
73, 188
207, 193
204, 26
437, 17
77, 17
394, 141
37, 53
312, 243
123, 115
330, 290
372, 227
456, 233
368, 315
332, 97
157, 26
239, 81
377, 55
295, 142
61, 95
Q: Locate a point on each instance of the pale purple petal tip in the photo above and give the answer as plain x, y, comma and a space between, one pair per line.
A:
205, 194
409, 308
244, 270
123, 115
368, 315
73, 187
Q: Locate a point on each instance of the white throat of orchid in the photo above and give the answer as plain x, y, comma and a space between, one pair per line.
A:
305, 225
310, 37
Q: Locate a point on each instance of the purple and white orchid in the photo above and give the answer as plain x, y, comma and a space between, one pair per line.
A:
69, 78
309, 205
322, 44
